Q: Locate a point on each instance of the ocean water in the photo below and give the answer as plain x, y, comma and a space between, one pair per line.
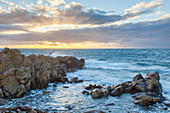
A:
103, 66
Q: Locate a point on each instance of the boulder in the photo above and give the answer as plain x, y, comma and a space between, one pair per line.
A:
2, 101
152, 83
97, 93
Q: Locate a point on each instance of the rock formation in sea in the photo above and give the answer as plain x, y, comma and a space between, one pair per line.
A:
148, 90
19, 73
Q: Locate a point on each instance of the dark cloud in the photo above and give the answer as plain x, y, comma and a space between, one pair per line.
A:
142, 34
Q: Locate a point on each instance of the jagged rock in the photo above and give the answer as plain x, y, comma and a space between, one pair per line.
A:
152, 83
149, 85
20, 74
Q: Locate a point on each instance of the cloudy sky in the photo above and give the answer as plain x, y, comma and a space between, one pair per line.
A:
85, 23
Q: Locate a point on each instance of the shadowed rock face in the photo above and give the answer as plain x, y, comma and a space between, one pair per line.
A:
148, 89
19, 73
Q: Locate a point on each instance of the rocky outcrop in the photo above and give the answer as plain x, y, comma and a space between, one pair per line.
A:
19, 73
148, 89
21, 109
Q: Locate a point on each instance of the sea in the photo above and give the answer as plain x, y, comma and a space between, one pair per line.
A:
102, 67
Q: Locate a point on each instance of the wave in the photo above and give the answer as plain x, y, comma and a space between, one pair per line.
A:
108, 65
55, 54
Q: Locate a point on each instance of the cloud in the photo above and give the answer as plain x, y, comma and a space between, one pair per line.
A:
143, 6
39, 2
7, 2
73, 13
56, 2
142, 34
50, 25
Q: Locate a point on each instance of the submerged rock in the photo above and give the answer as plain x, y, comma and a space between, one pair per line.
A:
20, 74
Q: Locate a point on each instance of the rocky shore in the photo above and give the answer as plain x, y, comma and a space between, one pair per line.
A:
19, 73
146, 91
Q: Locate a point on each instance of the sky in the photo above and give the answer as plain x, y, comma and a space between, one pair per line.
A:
63, 24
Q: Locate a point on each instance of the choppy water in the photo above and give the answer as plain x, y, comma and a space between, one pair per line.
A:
103, 66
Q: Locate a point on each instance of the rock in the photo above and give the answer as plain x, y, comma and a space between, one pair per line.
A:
65, 87
145, 99
25, 108
20, 74
167, 103
10, 83
85, 92
165, 107
33, 111
92, 86
70, 107
137, 77
1, 93
4, 109
75, 80
97, 93
94, 111
2, 101
117, 91
46, 92
21, 91
152, 83
109, 104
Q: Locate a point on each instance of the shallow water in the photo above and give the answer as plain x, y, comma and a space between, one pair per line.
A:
103, 66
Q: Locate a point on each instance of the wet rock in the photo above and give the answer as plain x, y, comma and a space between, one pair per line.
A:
65, 87
109, 104
85, 92
2, 101
46, 92
33, 111
75, 80
92, 86
165, 107
167, 103
69, 107
25, 108
97, 93
94, 111
150, 86
117, 91
137, 77
152, 83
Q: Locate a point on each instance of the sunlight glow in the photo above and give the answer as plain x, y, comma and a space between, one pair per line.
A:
12, 32
57, 27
